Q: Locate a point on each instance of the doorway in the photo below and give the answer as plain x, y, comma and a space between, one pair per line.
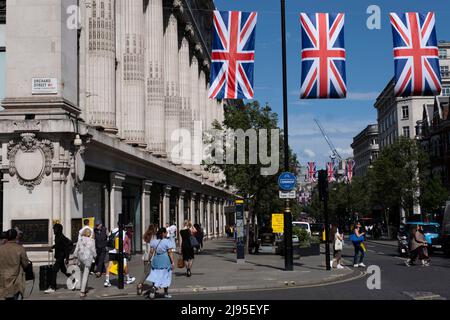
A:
131, 210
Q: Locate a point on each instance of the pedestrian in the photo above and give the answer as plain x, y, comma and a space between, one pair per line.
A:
357, 239
172, 234
162, 264
63, 246
186, 248
338, 244
199, 235
418, 247
85, 252
113, 256
13, 262
85, 226
101, 242
149, 235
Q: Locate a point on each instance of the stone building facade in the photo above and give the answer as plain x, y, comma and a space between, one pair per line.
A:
365, 149
90, 111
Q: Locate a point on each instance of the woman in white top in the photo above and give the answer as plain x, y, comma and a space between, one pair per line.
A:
85, 253
338, 244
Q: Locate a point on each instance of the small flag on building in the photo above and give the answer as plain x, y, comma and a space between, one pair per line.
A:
233, 55
323, 56
416, 54
312, 171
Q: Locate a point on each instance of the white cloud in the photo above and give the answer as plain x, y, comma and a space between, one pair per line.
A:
309, 153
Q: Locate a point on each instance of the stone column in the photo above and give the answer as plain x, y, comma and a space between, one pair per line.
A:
215, 220
192, 216
186, 101
180, 220
220, 217
116, 180
196, 125
172, 102
202, 96
202, 210
146, 205
130, 56
99, 56
166, 205
209, 221
154, 78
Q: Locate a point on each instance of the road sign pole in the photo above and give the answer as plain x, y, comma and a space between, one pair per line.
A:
323, 194
240, 245
288, 257
120, 253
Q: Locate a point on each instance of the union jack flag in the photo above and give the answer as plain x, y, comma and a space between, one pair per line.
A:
323, 56
312, 171
416, 54
330, 171
233, 55
349, 169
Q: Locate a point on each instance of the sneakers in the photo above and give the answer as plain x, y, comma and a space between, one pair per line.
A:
339, 266
131, 280
152, 293
167, 296
331, 264
425, 263
49, 291
107, 284
362, 265
355, 265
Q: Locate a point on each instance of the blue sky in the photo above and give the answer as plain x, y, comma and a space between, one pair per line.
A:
369, 67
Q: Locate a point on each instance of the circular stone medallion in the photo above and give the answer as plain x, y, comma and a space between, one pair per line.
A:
29, 165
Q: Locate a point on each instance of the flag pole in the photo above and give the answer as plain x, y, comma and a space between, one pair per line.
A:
288, 255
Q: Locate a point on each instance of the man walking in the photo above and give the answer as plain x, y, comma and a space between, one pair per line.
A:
101, 242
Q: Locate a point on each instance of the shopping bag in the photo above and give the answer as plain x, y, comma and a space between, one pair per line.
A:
114, 269
180, 263
363, 247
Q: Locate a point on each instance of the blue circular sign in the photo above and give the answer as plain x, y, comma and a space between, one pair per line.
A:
287, 181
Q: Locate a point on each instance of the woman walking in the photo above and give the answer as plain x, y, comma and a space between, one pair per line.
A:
162, 264
186, 249
149, 235
199, 236
418, 247
358, 238
338, 244
85, 253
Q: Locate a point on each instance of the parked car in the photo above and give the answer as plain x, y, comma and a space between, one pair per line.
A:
317, 229
302, 225
431, 232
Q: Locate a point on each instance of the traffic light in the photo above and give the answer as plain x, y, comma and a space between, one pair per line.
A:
323, 185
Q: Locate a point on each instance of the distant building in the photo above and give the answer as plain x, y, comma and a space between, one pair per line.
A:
398, 116
365, 149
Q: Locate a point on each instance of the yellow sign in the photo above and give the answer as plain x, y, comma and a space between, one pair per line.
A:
239, 201
277, 222
91, 222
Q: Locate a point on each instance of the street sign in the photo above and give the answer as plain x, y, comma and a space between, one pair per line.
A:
277, 223
288, 194
287, 181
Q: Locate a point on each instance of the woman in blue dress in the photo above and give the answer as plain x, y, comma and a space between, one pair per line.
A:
162, 264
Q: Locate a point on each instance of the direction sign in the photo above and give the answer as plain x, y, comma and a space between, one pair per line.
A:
287, 181
288, 194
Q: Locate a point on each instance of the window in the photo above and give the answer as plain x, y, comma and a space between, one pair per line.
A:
406, 132
446, 91
405, 112
442, 53
445, 72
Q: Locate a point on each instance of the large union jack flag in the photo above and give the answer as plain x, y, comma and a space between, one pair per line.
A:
416, 54
323, 56
349, 169
233, 55
330, 172
312, 171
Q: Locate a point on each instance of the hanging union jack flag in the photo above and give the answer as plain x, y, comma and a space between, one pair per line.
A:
311, 171
349, 169
323, 56
233, 55
416, 54
330, 171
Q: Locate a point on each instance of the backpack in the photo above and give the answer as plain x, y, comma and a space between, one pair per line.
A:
111, 238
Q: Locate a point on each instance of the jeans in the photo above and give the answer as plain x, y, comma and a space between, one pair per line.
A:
84, 276
59, 265
358, 250
100, 261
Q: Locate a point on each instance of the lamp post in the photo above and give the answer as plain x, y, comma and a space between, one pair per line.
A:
288, 257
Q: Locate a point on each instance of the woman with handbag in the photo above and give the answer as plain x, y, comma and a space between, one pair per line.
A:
162, 264
338, 245
357, 238
186, 248
85, 253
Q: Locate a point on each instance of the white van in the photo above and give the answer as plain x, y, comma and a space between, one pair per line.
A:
302, 225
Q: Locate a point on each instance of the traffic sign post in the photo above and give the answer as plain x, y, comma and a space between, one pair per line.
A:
323, 195
287, 181
288, 194
240, 244
277, 222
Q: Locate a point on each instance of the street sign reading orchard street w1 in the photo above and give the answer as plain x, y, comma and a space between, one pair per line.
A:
287, 181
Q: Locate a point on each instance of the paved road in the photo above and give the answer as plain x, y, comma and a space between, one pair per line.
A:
397, 282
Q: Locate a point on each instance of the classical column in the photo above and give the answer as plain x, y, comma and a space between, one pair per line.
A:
172, 102
98, 66
192, 216
202, 96
180, 218
215, 222
116, 180
154, 78
186, 101
202, 211
220, 217
166, 205
130, 56
146, 205
209, 221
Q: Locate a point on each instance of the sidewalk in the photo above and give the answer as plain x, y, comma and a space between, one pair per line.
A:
215, 269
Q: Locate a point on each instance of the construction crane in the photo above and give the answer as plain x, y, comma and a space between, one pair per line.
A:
330, 144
